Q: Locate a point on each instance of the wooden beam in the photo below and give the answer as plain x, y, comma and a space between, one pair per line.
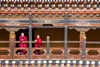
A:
54, 12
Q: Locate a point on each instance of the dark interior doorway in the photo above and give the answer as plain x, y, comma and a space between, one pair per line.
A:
26, 33
18, 33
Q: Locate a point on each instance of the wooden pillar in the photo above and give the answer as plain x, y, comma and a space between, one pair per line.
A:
30, 34
82, 35
84, 47
65, 36
12, 44
48, 46
0, 65
12, 34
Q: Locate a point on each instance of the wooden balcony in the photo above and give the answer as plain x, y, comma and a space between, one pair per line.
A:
52, 52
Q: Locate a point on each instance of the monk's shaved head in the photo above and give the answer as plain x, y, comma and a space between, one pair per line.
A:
38, 36
22, 34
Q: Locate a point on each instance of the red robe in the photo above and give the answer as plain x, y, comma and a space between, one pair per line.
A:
38, 43
23, 45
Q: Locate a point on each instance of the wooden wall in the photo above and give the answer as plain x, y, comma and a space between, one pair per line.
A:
4, 36
93, 35
57, 34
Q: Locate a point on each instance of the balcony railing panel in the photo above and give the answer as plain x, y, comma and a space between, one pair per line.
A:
53, 51
16, 56
5, 51
41, 56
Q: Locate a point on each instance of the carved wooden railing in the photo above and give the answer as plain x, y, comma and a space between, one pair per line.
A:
74, 55
95, 52
48, 52
8, 54
41, 56
57, 55
17, 56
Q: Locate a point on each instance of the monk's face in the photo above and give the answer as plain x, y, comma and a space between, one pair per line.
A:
22, 34
38, 36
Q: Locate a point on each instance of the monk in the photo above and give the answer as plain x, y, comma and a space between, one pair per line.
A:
38, 44
22, 45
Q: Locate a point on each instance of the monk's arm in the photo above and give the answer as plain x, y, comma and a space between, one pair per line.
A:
39, 41
20, 39
25, 39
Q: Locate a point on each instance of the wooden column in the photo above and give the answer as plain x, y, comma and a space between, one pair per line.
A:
84, 47
65, 36
12, 44
12, 34
48, 46
82, 35
30, 34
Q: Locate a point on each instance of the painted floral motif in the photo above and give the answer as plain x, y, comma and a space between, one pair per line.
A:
12, 23
48, 21
82, 23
